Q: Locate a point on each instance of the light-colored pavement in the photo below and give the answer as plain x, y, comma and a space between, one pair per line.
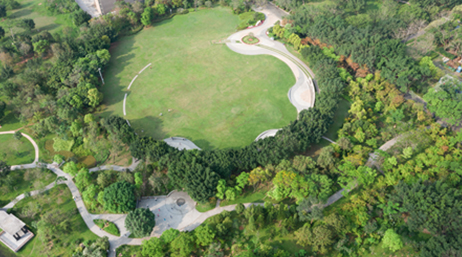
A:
302, 94
89, 6
267, 133
181, 143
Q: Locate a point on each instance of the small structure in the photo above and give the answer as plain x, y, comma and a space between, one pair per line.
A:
15, 233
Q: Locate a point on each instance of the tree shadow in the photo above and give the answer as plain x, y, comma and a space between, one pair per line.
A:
20, 13
203, 144
50, 27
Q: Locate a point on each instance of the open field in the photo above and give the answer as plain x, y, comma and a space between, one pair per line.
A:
15, 152
217, 98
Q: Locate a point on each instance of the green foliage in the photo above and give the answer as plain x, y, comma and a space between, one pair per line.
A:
445, 101
183, 245
119, 197
154, 247
58, 158
60, 144
140, 222
392, 240
41, 46
80, 17
204, 235
70, 168
146, 16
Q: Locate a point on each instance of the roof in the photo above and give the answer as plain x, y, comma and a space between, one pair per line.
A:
10, 224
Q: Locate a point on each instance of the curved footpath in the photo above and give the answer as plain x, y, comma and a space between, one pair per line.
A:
302, 94
36, 159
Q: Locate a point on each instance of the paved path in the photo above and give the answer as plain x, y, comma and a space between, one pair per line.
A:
302, 94
132, 167
181, 143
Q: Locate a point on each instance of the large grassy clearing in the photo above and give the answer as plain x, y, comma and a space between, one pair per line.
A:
15, 152
218, 98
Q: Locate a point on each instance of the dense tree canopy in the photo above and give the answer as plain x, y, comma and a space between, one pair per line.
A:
140, 222
119, 197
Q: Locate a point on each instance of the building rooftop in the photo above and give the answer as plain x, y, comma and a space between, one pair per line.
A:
10, 224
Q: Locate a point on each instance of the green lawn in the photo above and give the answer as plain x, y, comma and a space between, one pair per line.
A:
248, 197
16, 152
59, 198
108, 226
218, 98
35, 9
21, 181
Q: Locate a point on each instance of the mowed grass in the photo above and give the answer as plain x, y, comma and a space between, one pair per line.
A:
218, 98
35, 9
15, 152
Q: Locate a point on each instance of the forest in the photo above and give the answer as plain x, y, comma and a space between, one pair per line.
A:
405, 200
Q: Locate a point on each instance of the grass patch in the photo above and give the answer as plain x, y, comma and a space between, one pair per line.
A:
108, 226
217, 98
16, 152
57, 198
9, 122
21, 181
30, 9
248, 197
210, 205
250, 40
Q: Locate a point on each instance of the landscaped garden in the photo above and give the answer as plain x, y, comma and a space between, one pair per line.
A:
54, 219
205, 92
16, 151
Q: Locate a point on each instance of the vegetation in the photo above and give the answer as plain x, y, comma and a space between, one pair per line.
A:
54, 219
140, 222
16, 151
108, 226
23, 181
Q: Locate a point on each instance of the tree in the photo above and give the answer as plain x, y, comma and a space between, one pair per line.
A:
2, 32
240, 208
242, 180
310, 209
392, 240
71, 168
154, 247
88, 118
2, 11
169, 235
446, 101
326, 158
17, 135
27, 24
95, 97
119, 197
345, 143
2, 109
146, 16
204, 235
80, 17
304, 235
183, 245
83, 178
140, 222
4, 169
41, 46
